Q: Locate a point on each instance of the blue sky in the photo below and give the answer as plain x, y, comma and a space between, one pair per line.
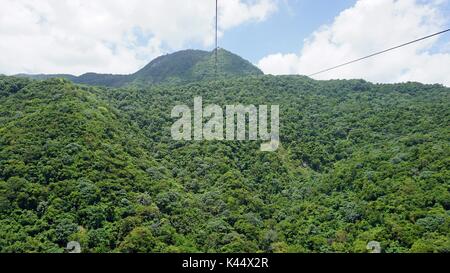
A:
279, 36
285, 30
340, 31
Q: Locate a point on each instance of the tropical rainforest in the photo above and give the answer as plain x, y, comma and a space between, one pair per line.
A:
91, 159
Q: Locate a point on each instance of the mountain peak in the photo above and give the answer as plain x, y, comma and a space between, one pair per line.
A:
179, 67
194, 65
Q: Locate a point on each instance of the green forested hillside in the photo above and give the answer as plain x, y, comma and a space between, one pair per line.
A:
184, 66
193, 65
358, 162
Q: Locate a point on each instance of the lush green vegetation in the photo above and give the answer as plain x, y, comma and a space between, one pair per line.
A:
185, 66
358, 162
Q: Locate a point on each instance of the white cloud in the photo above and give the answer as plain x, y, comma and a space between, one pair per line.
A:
367, 27
236, 12
76, 36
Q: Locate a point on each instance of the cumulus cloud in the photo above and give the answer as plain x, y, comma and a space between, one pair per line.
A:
367, 27
114, 36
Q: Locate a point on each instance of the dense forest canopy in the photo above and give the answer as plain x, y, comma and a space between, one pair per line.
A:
184, 66
359, 162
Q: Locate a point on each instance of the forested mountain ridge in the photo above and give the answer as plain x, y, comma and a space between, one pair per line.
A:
359, 162
184, 66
